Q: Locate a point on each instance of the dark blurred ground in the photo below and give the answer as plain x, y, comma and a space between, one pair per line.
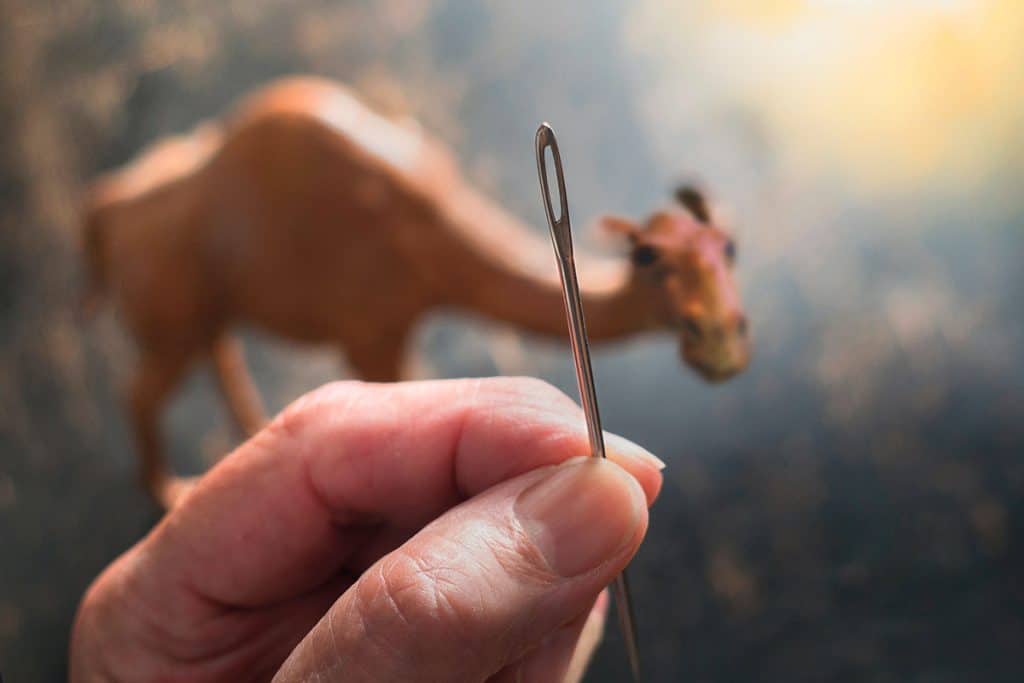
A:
851, 508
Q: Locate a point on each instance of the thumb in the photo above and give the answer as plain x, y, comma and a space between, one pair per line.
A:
481, 586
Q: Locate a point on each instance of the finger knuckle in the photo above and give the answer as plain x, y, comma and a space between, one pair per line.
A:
524, 390
296, 418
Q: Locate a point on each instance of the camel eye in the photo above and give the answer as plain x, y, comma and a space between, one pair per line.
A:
730, 252
644, 255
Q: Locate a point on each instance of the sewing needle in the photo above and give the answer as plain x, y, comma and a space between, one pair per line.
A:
561, 238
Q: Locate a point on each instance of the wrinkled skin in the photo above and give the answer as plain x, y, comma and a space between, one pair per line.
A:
434, 531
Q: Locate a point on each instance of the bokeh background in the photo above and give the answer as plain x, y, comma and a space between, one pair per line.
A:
851, 508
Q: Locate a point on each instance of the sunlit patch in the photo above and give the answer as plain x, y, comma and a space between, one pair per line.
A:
888, 94
394, 144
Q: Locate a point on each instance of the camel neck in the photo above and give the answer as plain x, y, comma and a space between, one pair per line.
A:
508, 273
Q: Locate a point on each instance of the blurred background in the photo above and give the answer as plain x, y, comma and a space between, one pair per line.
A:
850, 508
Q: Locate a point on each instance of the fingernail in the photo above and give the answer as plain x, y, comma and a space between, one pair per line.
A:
582, 514
626, 448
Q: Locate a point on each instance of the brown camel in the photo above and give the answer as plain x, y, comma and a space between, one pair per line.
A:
308, 215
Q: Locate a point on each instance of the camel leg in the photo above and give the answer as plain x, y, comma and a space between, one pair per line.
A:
380, 361
155, 378
236, 385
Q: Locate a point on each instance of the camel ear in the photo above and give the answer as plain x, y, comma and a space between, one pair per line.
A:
617, 225
693, 199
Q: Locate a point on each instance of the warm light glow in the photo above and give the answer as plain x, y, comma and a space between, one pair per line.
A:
888, 93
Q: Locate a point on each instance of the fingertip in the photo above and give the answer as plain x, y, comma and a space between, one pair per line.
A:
633, 451
644, 466
583, 514
602, 602
637, 493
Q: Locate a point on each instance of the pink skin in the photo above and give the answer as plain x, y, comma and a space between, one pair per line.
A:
386, 533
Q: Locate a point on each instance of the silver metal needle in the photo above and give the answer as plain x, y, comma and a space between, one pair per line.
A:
561, 237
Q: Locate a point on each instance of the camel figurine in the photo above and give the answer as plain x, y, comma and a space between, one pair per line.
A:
308, 215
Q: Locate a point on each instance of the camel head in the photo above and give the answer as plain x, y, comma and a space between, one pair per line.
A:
683, 262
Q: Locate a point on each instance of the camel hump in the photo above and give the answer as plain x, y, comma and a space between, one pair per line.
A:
397, 144
289, 95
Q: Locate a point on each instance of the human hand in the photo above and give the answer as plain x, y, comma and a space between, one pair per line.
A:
434, 531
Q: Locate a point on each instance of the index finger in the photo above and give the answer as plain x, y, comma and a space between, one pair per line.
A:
291, 507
